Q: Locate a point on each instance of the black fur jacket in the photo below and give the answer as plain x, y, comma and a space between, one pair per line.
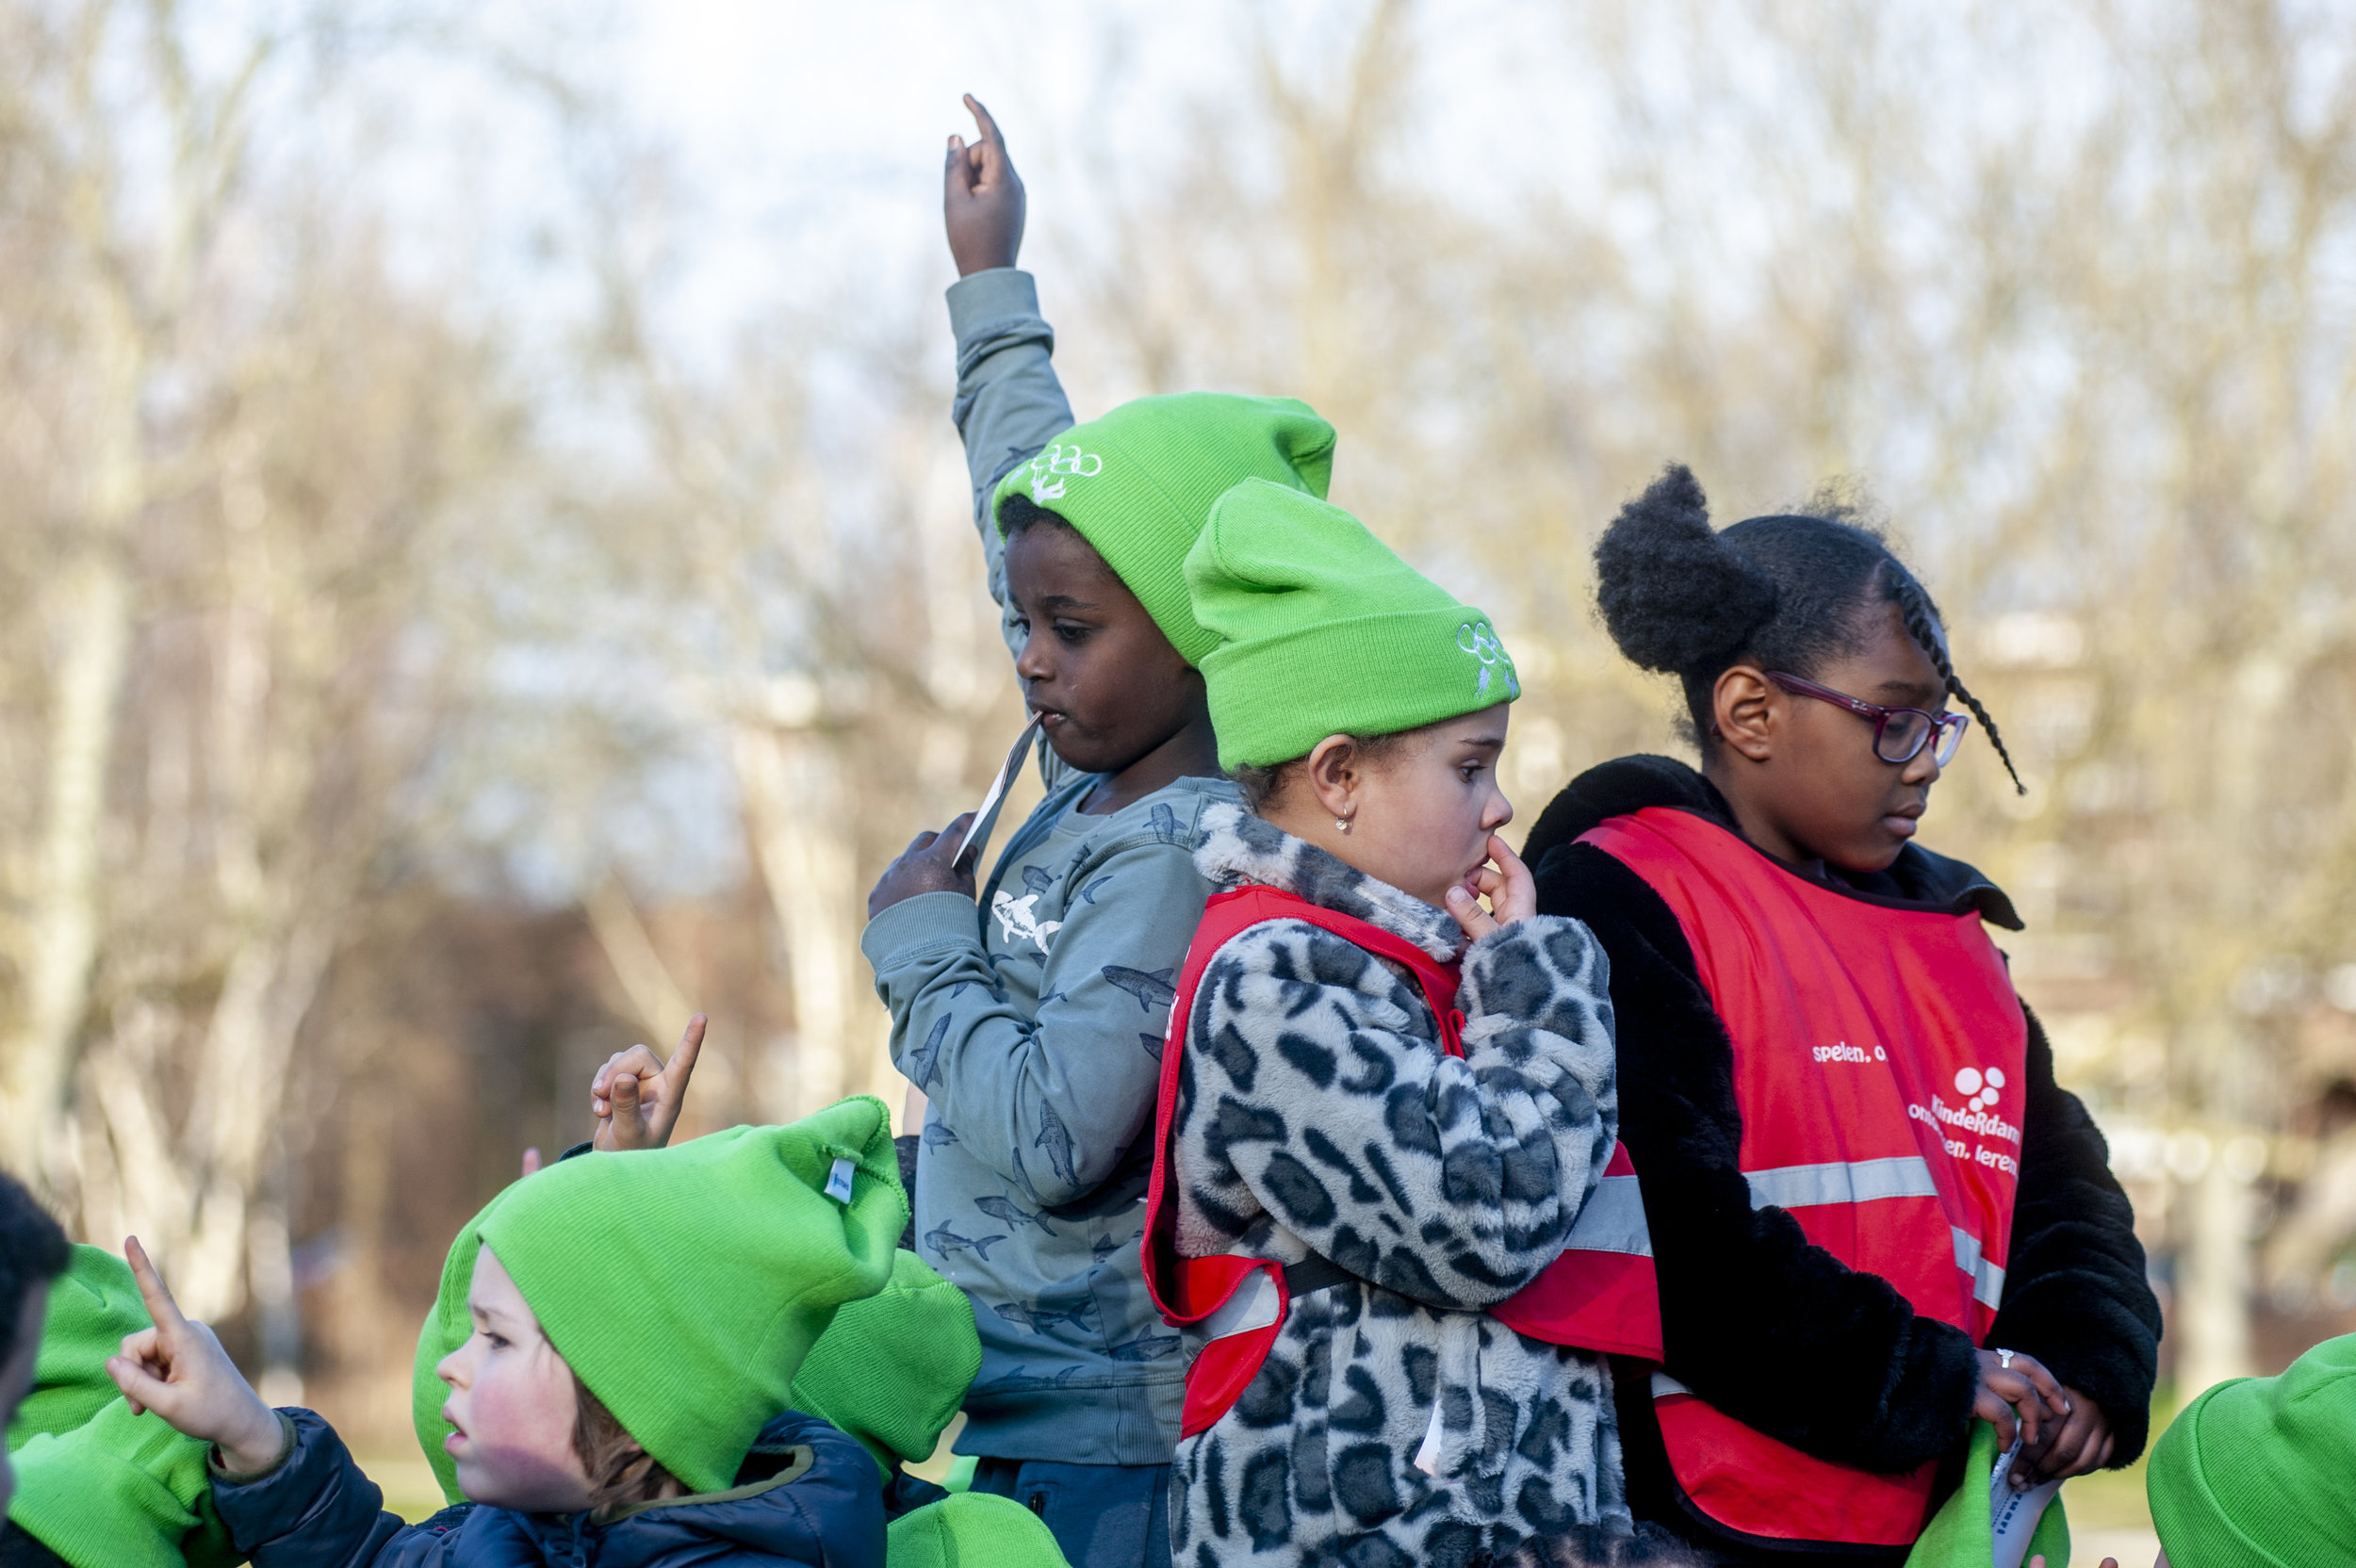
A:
1765, 1326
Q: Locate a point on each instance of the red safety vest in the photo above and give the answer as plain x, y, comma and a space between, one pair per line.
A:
1879, 1070
1599, 1294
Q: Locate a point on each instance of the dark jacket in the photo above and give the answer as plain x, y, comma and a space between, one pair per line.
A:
1767, 1327
806, 1495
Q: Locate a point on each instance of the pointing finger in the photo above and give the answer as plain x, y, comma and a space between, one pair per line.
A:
990, 133
160, 1306
1502, 853
682, 1064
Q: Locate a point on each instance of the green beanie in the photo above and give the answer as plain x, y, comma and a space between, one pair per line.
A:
1961, 1533
971, 1530
2262, 1471
725, 1253
1138, 484
92, 1307
1325, 631
892, 1370
121, 1490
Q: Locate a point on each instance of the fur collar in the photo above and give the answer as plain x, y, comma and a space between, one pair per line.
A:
1239, 847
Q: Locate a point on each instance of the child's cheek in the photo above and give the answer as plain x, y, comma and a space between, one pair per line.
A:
521, 1436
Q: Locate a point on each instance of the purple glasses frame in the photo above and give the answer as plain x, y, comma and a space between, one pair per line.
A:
1947, 728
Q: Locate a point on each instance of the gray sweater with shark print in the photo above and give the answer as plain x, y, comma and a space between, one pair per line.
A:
1032, 1019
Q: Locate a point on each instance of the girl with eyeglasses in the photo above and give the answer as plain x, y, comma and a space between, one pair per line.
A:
1874, 1214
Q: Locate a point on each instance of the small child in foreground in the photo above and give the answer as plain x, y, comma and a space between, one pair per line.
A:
622, 1397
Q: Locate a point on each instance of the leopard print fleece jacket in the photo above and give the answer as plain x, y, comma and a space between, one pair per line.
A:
1318, 1112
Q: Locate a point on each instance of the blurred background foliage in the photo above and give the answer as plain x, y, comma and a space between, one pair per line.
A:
439, 646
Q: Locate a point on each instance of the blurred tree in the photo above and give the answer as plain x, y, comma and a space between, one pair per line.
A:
236, 447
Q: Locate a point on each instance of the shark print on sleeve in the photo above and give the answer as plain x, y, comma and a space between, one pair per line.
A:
1031, 1018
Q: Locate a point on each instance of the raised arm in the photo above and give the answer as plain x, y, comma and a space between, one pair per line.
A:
1318, 1086
1009, 403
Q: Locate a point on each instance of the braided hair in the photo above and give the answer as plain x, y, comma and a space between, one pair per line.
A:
1789, 592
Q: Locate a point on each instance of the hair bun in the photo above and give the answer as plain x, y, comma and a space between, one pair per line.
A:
1673, 593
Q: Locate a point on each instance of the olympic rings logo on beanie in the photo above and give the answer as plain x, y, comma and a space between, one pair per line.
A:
1050, 468
1474, 637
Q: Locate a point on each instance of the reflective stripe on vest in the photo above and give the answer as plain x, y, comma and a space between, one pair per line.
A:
1600, 1294
1793, 1186
1879, 1059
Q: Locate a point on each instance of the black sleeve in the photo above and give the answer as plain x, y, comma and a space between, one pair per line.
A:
2076, 1295
1763, 1324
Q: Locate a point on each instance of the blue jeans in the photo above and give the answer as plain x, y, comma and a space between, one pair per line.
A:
1101, 1516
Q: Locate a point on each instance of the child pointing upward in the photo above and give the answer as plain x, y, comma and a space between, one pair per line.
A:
621, 1397
1031, 1011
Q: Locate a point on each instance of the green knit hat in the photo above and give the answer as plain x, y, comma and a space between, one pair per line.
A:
726, 1252
2262, 1471
971, 1530
1960, 1533
1138, 484
121, 1490
1325, 631
892, 1370
92, 1306
95, 1484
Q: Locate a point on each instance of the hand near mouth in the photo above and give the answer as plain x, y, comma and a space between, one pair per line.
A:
1505, 882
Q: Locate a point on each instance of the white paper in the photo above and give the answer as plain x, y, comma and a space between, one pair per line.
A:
1428, 1455
987, 815
2013, 1515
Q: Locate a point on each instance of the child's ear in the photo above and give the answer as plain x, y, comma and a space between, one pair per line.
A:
1742, 705
1331, 772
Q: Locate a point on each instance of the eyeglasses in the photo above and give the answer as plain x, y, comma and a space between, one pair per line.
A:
1899, 733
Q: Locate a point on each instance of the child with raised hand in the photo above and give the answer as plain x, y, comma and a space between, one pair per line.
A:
1876, 1214
1031, 1015
619, 1393
1400, 1100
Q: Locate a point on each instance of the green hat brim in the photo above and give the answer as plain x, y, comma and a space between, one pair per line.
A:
1394, 684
